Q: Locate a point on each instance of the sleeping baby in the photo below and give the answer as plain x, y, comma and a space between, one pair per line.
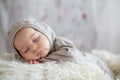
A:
35, 42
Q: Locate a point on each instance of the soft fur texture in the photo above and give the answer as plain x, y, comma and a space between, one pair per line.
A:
111, 59
10, 69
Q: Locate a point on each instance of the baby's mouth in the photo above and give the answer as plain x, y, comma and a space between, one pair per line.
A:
40, 52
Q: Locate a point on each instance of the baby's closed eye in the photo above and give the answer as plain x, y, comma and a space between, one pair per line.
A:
36, 39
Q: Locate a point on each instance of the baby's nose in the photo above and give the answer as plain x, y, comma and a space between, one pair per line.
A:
34, 48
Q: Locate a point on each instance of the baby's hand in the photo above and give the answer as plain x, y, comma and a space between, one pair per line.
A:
33, 62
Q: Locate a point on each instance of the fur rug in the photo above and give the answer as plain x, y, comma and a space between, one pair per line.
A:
10, 69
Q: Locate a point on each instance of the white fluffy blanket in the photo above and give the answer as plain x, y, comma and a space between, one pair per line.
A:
10, 69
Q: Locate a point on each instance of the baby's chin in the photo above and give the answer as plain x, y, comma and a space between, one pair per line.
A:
35, 58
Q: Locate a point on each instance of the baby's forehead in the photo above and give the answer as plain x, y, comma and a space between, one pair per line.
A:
24, 31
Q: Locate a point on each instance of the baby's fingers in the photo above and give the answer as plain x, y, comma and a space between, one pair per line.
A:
30, 62
33, 62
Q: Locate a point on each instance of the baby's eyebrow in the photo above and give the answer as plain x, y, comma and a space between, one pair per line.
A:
32, 34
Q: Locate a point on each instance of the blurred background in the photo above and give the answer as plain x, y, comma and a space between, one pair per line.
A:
90, 24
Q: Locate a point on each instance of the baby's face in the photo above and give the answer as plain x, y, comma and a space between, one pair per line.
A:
31, 44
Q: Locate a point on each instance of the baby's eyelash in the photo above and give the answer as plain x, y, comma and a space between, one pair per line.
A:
37, 39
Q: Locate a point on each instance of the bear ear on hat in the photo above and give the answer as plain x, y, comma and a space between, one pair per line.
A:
29, 19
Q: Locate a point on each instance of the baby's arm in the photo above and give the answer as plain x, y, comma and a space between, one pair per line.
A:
64, 50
